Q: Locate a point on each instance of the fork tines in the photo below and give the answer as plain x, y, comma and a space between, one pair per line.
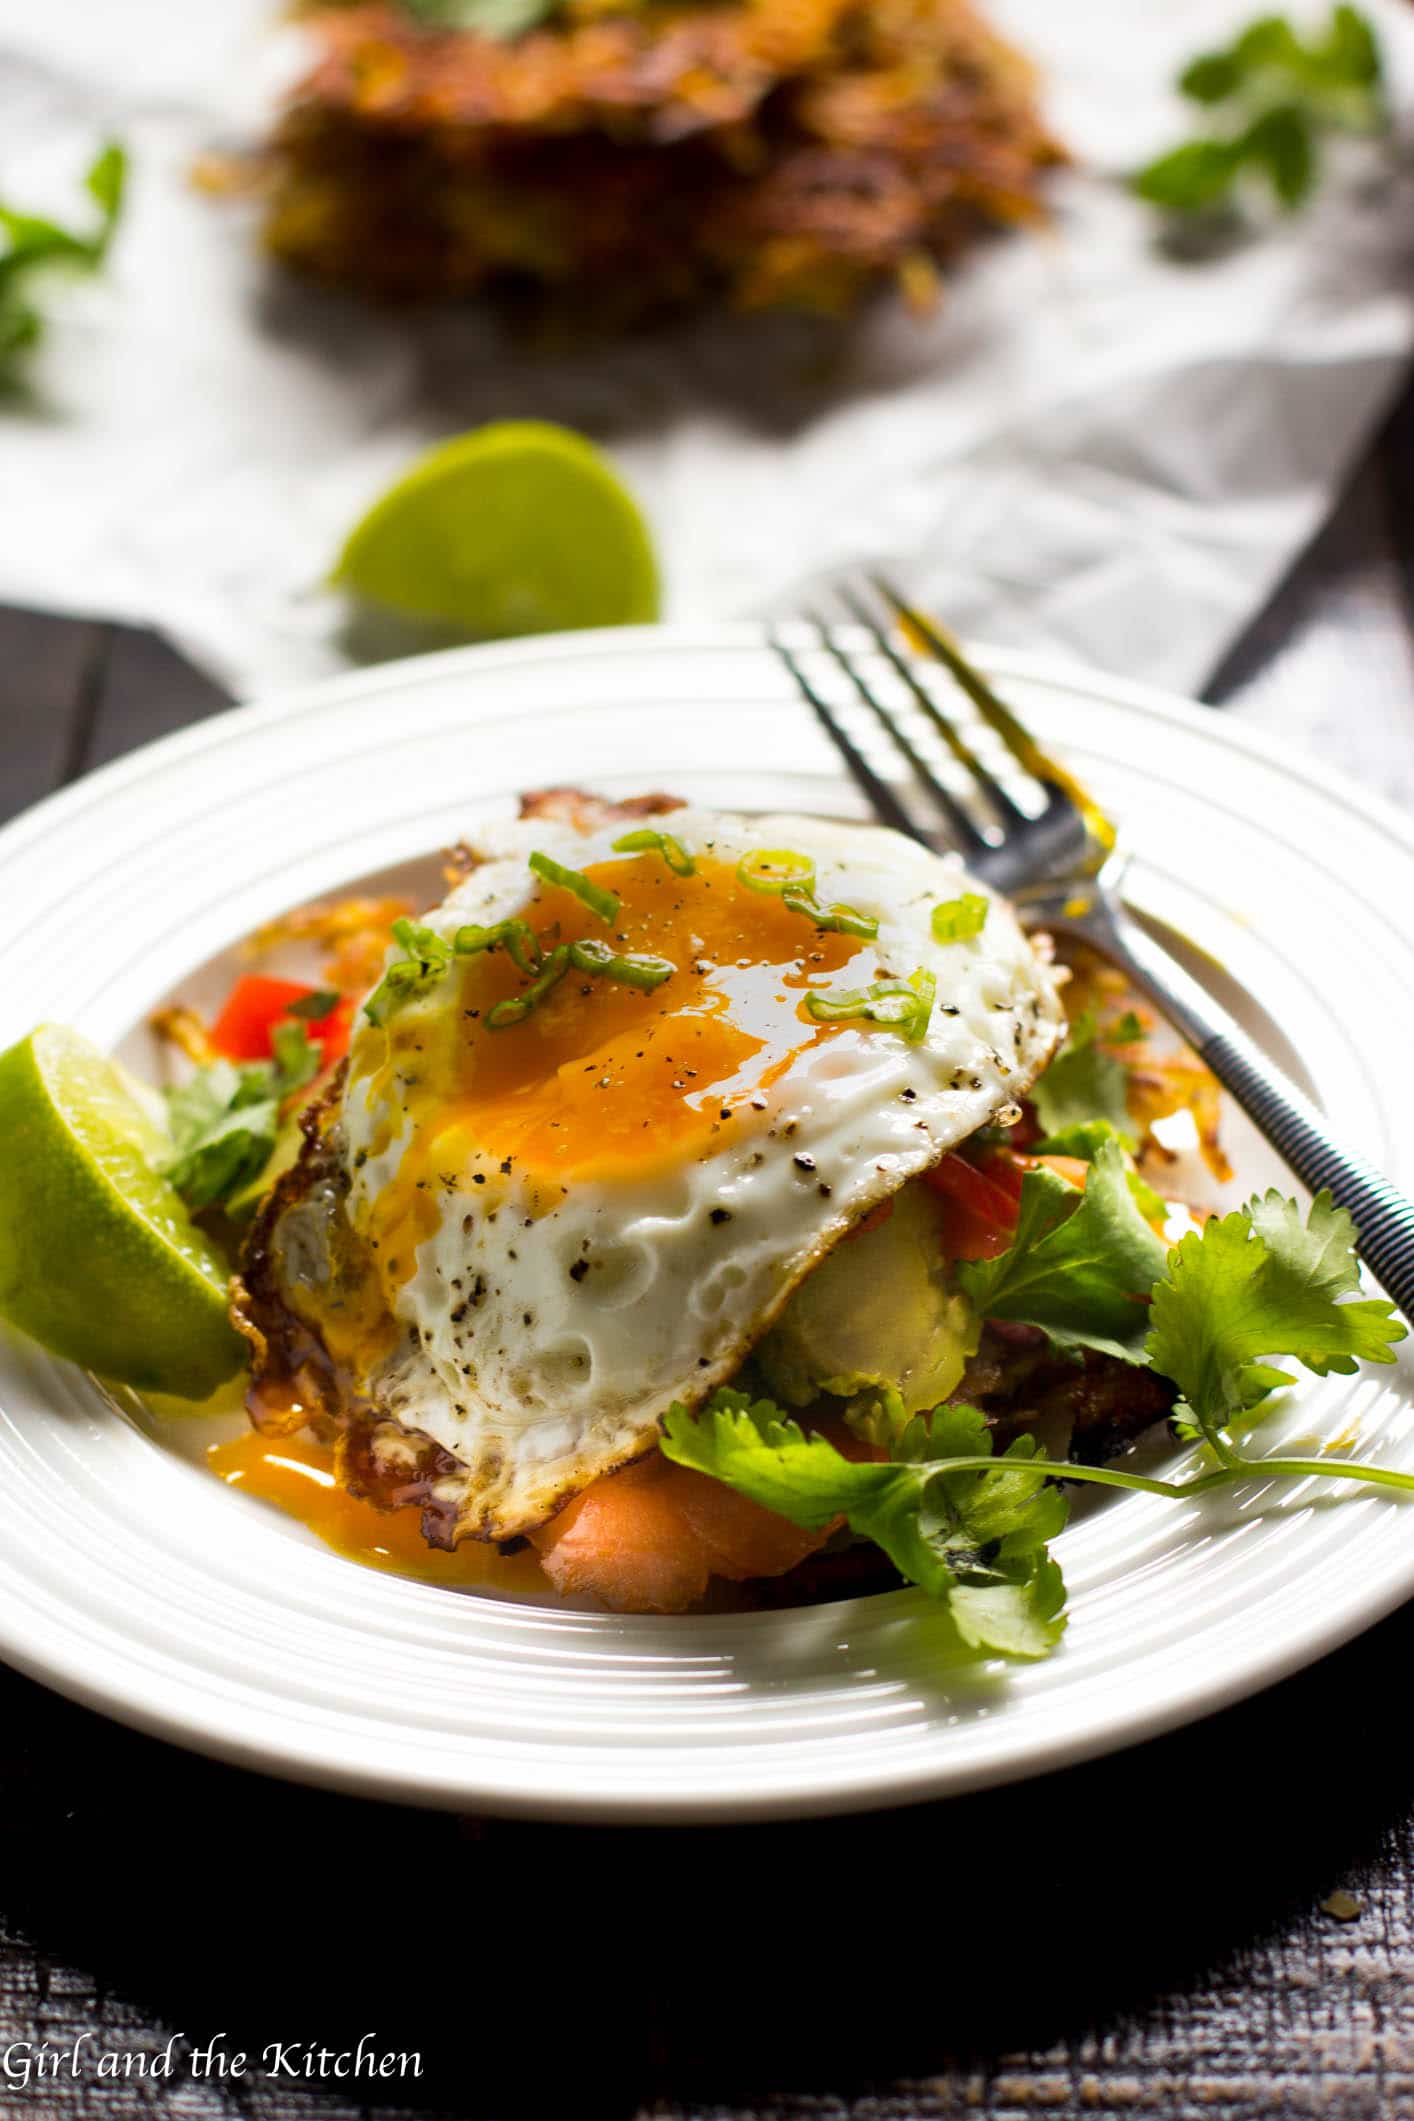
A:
909, 714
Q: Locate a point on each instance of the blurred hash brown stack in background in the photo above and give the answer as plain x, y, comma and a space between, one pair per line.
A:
634, 159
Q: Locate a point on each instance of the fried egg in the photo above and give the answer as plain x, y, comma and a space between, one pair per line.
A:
578, 1216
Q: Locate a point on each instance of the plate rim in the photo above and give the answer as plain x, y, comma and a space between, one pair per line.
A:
877, 1788
1028, 665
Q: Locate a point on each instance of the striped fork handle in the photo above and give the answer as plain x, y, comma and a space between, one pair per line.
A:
1383, 1217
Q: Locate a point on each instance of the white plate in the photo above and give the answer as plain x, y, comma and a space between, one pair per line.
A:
132, 1581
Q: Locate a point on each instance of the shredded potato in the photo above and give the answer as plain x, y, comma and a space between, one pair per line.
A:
352, 933
635, 158
1165, 1077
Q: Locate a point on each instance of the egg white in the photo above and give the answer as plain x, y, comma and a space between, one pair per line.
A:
541, 1348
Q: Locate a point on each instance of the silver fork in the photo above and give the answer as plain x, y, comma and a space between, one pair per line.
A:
1062, 862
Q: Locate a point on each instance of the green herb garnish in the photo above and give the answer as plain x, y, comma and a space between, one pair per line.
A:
630, 969
902, 1005
957, 920
1281, 93
1126, 1030
648, 842
604, 903
223, 1122
835, 920
516, 937
971, 1528
517, 1007
1084, 1139
428, 957
1083, 1083
776, 870
33, 245
1257, 1283
976, 1542
1081, 1264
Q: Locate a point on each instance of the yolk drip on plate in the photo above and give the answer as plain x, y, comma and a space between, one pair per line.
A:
297, 1475
602, 1081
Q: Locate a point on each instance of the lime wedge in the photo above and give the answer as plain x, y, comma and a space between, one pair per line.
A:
520, 527
98, 1257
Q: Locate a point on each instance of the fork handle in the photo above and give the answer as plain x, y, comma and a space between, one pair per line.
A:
1384, 1218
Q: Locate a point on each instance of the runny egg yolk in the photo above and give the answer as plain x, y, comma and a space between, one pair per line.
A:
297, 1475
603, 1080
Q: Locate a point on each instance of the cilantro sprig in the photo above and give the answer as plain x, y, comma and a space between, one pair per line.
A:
1082, 1083
1278, 94
970, 1529
1263, 1283
224, 1121
1081, 1265
33, 246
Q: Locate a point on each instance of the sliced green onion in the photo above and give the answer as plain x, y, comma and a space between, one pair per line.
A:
517, 937
925, 987
839, 920
647, 842
776, 870
594, 896
632, 970
432, 951
957, 920
902, 1005
428, 956
517, 1007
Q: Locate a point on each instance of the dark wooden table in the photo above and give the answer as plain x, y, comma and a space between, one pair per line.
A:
1154, 1941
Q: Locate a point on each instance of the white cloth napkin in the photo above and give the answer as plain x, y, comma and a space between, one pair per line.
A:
1090, 447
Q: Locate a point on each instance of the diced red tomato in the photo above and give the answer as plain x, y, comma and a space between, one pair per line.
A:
257, 1005
981, 1201
979, 1204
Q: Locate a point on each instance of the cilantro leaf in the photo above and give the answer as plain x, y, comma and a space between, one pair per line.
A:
974, 1538
1190, 178
1083, 1083
1257, 1283
1085, 1140
33, 244
224, 1121
223, 1125
1081, 1264
1212, 77
1283, 143
1283, 90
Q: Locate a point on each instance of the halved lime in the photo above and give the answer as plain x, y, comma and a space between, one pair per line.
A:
99, 1259
520, 527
